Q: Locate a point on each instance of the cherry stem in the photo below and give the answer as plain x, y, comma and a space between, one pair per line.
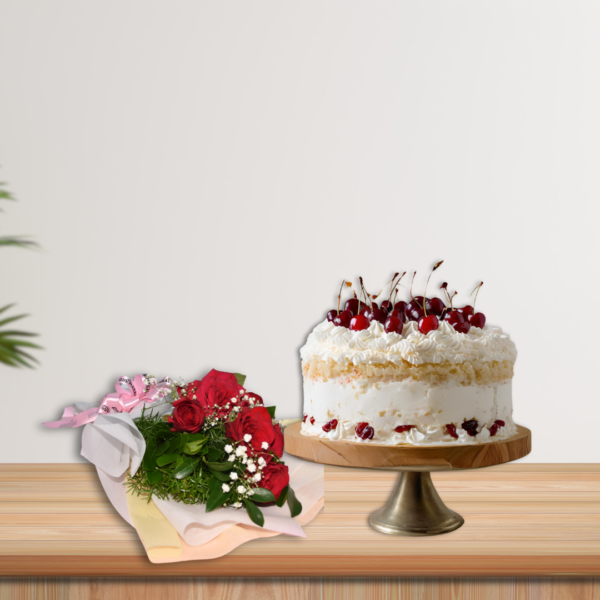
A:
340, 294
451, 307
411, 284
395, 284
427, 283
360, 295
477, 287
367, 295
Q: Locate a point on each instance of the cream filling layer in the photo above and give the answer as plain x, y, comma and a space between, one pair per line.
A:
386, 405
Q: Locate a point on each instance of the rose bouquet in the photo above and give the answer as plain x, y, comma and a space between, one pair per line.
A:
212, 442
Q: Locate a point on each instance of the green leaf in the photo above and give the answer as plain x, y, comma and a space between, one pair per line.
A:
11, 344
214, 454
183, 440
240, 378
192, 449
161, 461
283, 496
178, 462
186, 468
219, 466
174, 444
254, 513
154, 477
149, 460
293, 503
263, 495
162, 448
19, 241
271, 410
221, 476
11, 319
216, 496
195, 442
5, 308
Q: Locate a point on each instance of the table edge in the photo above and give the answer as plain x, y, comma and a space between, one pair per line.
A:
309, 566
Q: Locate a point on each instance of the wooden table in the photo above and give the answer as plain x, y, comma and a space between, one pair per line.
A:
522, 520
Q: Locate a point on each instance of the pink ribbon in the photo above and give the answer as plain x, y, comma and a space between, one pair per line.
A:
129, 394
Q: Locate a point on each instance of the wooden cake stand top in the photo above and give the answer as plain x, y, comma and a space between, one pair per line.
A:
406, 457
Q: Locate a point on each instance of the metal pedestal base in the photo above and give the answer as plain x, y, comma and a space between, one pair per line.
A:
415, 508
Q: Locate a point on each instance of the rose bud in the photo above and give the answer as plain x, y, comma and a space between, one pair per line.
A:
187, 416
275, 477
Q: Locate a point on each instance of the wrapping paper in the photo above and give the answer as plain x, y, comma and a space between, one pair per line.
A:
173, 531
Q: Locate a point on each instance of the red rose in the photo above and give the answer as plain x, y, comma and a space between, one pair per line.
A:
188, 416
275, 477
216, 390
258, 401
256, 422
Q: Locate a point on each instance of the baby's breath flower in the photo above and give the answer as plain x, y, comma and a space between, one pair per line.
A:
247, 437
265, 446
225, 487
257, 477
231, 457
237, 505
240, 450
262, 462
241, 489
251, 467
233, 476
228, 448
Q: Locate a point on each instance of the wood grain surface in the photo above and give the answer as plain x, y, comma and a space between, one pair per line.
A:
521, 520
293, 588
431, 458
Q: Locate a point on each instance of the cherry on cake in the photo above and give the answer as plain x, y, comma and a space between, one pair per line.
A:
420, 372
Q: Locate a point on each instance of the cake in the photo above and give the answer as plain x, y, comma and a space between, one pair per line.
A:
415, 373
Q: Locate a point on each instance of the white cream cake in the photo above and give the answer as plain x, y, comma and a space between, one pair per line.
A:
442, 387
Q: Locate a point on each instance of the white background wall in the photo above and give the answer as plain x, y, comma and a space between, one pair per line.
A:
202, 175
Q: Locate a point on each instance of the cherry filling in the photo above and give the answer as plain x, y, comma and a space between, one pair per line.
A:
470, 427
312, 420
494, 428
451, 430
330, 425
304, 419
364, 431
403, 428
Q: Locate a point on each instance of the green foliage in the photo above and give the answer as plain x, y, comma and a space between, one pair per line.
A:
193, 469
12, 341
254, 513
293, 503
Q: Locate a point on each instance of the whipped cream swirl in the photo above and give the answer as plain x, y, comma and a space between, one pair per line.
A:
374, 346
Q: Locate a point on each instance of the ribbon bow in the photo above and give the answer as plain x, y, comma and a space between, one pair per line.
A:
128, 395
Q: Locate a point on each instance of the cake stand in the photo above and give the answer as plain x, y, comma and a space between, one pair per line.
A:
415, 507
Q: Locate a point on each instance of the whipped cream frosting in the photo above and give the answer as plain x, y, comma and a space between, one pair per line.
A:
386, 405
374, 346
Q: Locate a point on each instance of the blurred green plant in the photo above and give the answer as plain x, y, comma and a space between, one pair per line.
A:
14, 343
